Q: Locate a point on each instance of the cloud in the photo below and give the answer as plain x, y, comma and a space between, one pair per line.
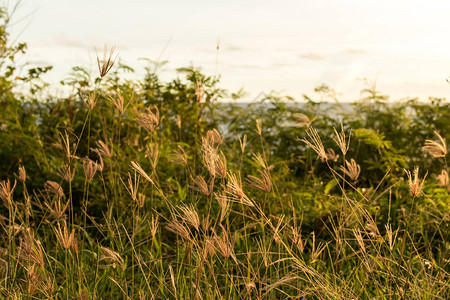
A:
233, 48
313, 56
247, 66
68, 42
39, 62
355, 51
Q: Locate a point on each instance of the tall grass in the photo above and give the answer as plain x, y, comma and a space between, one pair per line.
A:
131, 199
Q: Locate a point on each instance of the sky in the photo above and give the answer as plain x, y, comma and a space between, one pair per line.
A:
288, 46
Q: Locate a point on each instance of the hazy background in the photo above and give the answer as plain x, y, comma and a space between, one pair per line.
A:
288, 46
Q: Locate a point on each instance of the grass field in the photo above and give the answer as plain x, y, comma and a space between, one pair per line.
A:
135, 190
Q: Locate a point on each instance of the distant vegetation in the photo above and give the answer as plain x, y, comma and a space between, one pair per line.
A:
158, 190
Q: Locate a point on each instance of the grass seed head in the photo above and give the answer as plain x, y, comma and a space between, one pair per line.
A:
179, 156
132, 185
214, 138
331, 155
103, 149
66, 174
7, 191
201, 185
415, 185
352, 170
22, 174
223, 244
90, 168
264, 184
443, 179
119, 102
190, 215
149, 120
53, 188
107, 63
31, 250
137, 167
90, 99
179, 229
224, 203
65, 239
303, 120
243, 143
436, 149
315, 143
220, 165
111, 256
199, 90
154, 223
57, 210
258, 127
341, 140
234, 189
152, 151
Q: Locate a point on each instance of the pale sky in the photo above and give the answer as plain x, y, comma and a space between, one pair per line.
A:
287, 46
